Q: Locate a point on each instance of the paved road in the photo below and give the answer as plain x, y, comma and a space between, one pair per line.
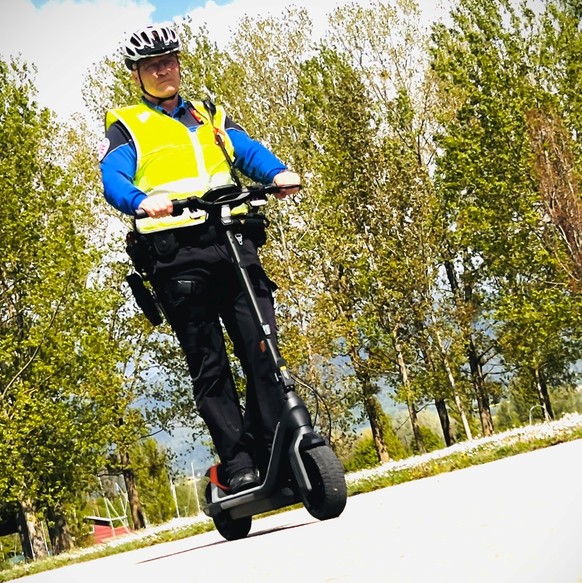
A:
518, 520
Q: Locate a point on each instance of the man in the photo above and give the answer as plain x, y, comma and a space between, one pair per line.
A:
164, 148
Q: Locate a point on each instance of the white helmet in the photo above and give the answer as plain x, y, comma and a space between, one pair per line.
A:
150, 41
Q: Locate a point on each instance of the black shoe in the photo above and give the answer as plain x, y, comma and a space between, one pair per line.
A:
243, 480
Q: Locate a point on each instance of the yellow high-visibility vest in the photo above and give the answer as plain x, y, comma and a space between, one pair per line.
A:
173, 160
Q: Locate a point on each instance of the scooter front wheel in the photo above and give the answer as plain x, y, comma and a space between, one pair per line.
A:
328, 495
230, 528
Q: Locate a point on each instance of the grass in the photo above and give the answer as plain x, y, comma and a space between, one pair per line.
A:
456, 457
466, 454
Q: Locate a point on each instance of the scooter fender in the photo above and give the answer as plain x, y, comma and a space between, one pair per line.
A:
297, 422
304, 439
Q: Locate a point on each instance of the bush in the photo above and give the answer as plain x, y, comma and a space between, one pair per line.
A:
431, 440
363, 455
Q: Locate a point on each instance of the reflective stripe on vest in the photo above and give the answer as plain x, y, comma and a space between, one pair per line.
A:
173, 160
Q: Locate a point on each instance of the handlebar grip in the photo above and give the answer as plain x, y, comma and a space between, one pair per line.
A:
179, 206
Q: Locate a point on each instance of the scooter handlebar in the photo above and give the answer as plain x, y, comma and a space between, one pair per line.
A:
219, 196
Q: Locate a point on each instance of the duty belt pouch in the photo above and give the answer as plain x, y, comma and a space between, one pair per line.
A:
254, 227
165, 246
138, 249
144, 299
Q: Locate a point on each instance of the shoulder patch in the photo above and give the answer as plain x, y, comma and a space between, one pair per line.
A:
103, 149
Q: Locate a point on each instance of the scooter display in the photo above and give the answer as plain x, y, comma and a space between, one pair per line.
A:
302, 467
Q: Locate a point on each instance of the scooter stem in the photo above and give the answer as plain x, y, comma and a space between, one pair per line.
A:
278, 362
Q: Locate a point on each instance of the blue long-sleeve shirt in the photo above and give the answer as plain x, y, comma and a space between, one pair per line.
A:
118, 158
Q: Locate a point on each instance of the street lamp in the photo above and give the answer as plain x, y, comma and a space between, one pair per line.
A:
195, 489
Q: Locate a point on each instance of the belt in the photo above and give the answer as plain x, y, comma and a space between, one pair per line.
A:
201, 235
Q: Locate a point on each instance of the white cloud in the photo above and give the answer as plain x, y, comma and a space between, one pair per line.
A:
220, 19
63, 38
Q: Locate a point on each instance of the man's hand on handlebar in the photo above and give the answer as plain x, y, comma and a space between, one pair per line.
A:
157, 206
287, 178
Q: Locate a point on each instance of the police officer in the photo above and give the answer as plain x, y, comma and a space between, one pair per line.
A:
166, 147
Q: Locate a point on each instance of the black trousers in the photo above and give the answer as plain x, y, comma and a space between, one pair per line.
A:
196, 300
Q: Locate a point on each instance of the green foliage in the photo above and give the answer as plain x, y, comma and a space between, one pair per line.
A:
59, 381
363, 455
151, 468
566, 399
190, 501
506, 417
394, 446
502, 234
524, 408
430, 439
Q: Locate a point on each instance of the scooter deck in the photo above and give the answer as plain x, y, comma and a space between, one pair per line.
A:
252, 502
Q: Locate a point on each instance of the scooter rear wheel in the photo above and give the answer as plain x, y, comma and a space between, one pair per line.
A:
328, 495
230, 528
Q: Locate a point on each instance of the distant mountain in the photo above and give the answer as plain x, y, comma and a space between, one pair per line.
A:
187, 452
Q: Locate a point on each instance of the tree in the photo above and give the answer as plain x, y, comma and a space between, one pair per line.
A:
503, 247
59, 381
553, 126
152, 471
396, 287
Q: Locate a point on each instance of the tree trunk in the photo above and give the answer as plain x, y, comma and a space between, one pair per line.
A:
453, 384
543, 394
61, 539
23, 535
409, 401
439, 401
373, 409
480, 391
441, 408
418, 439
137, 515
376, 417
31, 535
474, 360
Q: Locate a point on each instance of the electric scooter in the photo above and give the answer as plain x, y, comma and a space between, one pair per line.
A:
302, 467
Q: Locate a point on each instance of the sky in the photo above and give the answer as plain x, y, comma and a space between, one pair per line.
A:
163, 10
63, 38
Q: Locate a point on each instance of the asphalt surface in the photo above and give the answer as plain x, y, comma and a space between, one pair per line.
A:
516, 520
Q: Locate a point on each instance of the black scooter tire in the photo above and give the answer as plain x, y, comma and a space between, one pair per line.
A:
230, 528
328, 496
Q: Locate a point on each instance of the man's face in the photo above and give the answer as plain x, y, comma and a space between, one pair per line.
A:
160, 75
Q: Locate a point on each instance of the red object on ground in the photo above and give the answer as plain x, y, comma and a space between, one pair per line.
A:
104, 533
103, 529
